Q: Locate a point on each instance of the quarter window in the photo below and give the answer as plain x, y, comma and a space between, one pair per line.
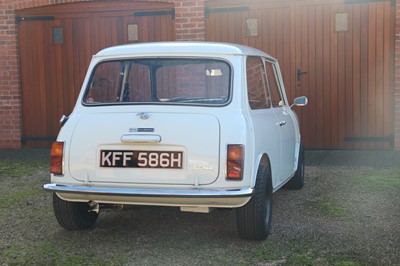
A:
257, 84
276, 96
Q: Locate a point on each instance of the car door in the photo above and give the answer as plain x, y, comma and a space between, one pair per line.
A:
285, 119
267, 136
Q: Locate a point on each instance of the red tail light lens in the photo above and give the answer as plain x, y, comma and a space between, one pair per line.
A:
56, 158
235, 159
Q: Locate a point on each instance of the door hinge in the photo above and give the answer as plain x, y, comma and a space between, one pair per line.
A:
19, 19
155, 13
208, 10
368, 1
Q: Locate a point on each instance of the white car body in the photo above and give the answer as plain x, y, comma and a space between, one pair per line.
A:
99, 139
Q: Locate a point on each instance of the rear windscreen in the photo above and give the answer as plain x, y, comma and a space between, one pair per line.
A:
161, 81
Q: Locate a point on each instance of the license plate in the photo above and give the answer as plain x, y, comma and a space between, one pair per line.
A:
141, 159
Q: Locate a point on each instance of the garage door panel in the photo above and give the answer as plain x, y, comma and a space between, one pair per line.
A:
32, 59
56, 45
344, 51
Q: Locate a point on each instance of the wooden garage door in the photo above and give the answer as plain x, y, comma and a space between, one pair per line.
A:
56, 45
338, 53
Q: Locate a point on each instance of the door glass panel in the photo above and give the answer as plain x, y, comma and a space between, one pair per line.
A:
276, 96
257, 84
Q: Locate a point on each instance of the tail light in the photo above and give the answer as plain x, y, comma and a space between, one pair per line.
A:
235, 159
56, 158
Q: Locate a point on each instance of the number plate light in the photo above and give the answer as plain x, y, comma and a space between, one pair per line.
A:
56, 158
235, 160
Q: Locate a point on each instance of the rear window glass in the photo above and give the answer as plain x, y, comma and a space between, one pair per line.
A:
161, 81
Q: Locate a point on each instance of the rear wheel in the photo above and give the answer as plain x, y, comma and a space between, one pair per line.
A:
73, 215
254, 218
297, 181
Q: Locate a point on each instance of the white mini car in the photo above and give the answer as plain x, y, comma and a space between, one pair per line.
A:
187, 124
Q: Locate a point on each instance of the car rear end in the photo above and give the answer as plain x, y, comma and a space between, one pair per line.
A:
154, 130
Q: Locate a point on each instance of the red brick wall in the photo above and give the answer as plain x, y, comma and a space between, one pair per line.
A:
10, 111
397, 80
189, 19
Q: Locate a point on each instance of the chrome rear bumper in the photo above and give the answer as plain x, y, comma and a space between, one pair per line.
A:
193, 197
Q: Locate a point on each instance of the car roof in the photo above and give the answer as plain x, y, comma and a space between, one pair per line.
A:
175, 48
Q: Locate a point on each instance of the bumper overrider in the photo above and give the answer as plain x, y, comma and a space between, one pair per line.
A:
188, 197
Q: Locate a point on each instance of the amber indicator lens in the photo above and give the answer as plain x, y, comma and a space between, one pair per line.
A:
56, 158
235, 161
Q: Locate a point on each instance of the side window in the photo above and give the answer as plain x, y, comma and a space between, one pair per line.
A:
276, 96
257, 84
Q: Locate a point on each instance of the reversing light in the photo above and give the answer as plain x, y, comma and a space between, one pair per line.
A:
56, 158
234, 164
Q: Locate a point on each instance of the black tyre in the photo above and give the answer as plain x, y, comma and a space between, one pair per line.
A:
254, 218
73, 215
297, 181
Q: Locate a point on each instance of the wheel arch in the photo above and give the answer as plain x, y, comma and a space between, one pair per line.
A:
263, 160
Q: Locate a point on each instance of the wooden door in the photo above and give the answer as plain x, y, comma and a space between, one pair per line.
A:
56, 45
347, 52
337, 53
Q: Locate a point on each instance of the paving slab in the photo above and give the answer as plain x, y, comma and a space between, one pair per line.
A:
374, 158
25, 155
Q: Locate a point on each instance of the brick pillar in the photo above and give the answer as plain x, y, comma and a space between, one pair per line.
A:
189, 20
10, 98
397, 80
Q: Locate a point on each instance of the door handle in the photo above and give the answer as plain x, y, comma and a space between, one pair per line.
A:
281, 123
299, 73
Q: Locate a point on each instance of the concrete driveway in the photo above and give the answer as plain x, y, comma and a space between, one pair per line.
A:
346, 214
